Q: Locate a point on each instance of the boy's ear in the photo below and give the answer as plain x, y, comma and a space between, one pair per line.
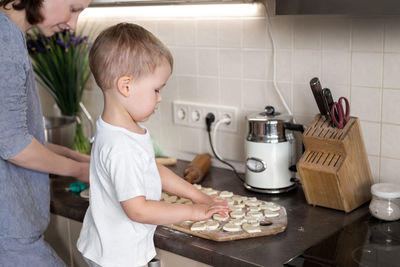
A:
125, 85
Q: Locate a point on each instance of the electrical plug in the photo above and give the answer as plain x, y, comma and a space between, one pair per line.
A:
210, 118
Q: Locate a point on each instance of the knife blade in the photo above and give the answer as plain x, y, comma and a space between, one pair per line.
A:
318, 95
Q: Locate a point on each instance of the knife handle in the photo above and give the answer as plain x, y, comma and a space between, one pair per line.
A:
319, 98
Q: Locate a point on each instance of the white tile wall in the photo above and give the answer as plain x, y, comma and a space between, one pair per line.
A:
228, 60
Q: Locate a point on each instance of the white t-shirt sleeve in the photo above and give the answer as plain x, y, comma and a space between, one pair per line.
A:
126, 173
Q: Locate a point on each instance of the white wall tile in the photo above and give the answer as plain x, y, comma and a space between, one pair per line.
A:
185, 62
336, 67
171, 89
391, 77
390, 145
366, 69
392, 34
390, 169
282, 31
254, 64
189, 139
208, 90
207, 32
336, 32
255, 33
230, 33
169, 138
185, 33
374, 165
365, 103
304, 103
166, 32
391, 107
187, 88
367, 34
208, 61
228, 61
254, 94
307, 33
306, 65
230, 146
284, 66
231, 92
338, 90
272, 97
166, 112
231, 63
371, 132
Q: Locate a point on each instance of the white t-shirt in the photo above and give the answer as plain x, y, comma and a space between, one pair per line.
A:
122, 167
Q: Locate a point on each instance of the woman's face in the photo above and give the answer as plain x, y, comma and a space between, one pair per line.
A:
60, 14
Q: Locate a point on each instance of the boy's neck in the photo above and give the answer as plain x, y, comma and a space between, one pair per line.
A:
116, 115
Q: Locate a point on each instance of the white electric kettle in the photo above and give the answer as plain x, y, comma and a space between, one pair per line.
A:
270, 152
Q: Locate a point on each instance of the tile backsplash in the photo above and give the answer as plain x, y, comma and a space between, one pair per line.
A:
229, 61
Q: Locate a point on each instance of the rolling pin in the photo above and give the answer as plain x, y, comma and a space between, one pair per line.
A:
197, 168
166, 161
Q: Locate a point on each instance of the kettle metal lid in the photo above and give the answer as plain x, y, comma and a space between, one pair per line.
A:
269, 116
267, 126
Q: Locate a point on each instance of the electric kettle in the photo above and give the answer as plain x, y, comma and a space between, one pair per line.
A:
270, 150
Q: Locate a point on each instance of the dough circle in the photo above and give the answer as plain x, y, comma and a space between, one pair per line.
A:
270, 214
220, 218
225, 194
255, 214
212, 225
230, 227
249, 228
198, 226
237, 214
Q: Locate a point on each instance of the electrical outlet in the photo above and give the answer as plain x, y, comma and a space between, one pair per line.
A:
193, 114
181, 114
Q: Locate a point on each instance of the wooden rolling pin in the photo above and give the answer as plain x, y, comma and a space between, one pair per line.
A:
197, 168
166, 161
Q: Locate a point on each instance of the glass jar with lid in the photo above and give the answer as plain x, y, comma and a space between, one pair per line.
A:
385, 203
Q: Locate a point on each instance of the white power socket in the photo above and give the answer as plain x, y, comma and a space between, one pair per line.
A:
194, 114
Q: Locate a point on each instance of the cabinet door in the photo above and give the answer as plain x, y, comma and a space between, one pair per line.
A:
62, 235
57, 235
169, 259
76, 256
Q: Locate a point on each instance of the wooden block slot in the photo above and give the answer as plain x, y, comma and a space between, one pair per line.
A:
334, 169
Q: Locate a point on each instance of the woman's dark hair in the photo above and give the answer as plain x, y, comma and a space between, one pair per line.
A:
32, 9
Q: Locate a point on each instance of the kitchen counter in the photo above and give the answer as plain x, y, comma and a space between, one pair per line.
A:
307, 225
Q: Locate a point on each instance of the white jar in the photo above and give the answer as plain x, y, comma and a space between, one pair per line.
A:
385, 203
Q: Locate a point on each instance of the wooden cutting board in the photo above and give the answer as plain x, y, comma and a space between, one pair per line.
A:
279, 224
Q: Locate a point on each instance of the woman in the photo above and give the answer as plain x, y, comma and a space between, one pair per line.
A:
25, 158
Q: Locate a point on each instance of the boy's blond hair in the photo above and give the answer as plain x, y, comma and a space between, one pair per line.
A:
125, 49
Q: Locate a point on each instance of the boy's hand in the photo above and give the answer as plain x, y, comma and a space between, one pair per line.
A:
214, 200
203, 211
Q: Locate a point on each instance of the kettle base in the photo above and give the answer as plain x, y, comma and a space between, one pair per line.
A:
272, 190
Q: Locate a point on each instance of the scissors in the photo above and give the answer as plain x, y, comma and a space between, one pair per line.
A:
338, 111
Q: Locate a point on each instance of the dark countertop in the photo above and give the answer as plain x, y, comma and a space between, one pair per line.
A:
307, 225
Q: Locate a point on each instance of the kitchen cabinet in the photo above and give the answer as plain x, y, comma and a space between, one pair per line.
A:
62, 234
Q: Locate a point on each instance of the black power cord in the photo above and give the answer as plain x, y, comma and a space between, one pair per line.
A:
210, 118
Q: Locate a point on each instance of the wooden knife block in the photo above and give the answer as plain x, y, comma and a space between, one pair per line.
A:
334, 169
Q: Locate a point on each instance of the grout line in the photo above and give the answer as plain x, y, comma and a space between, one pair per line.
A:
70, 243
381, 105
